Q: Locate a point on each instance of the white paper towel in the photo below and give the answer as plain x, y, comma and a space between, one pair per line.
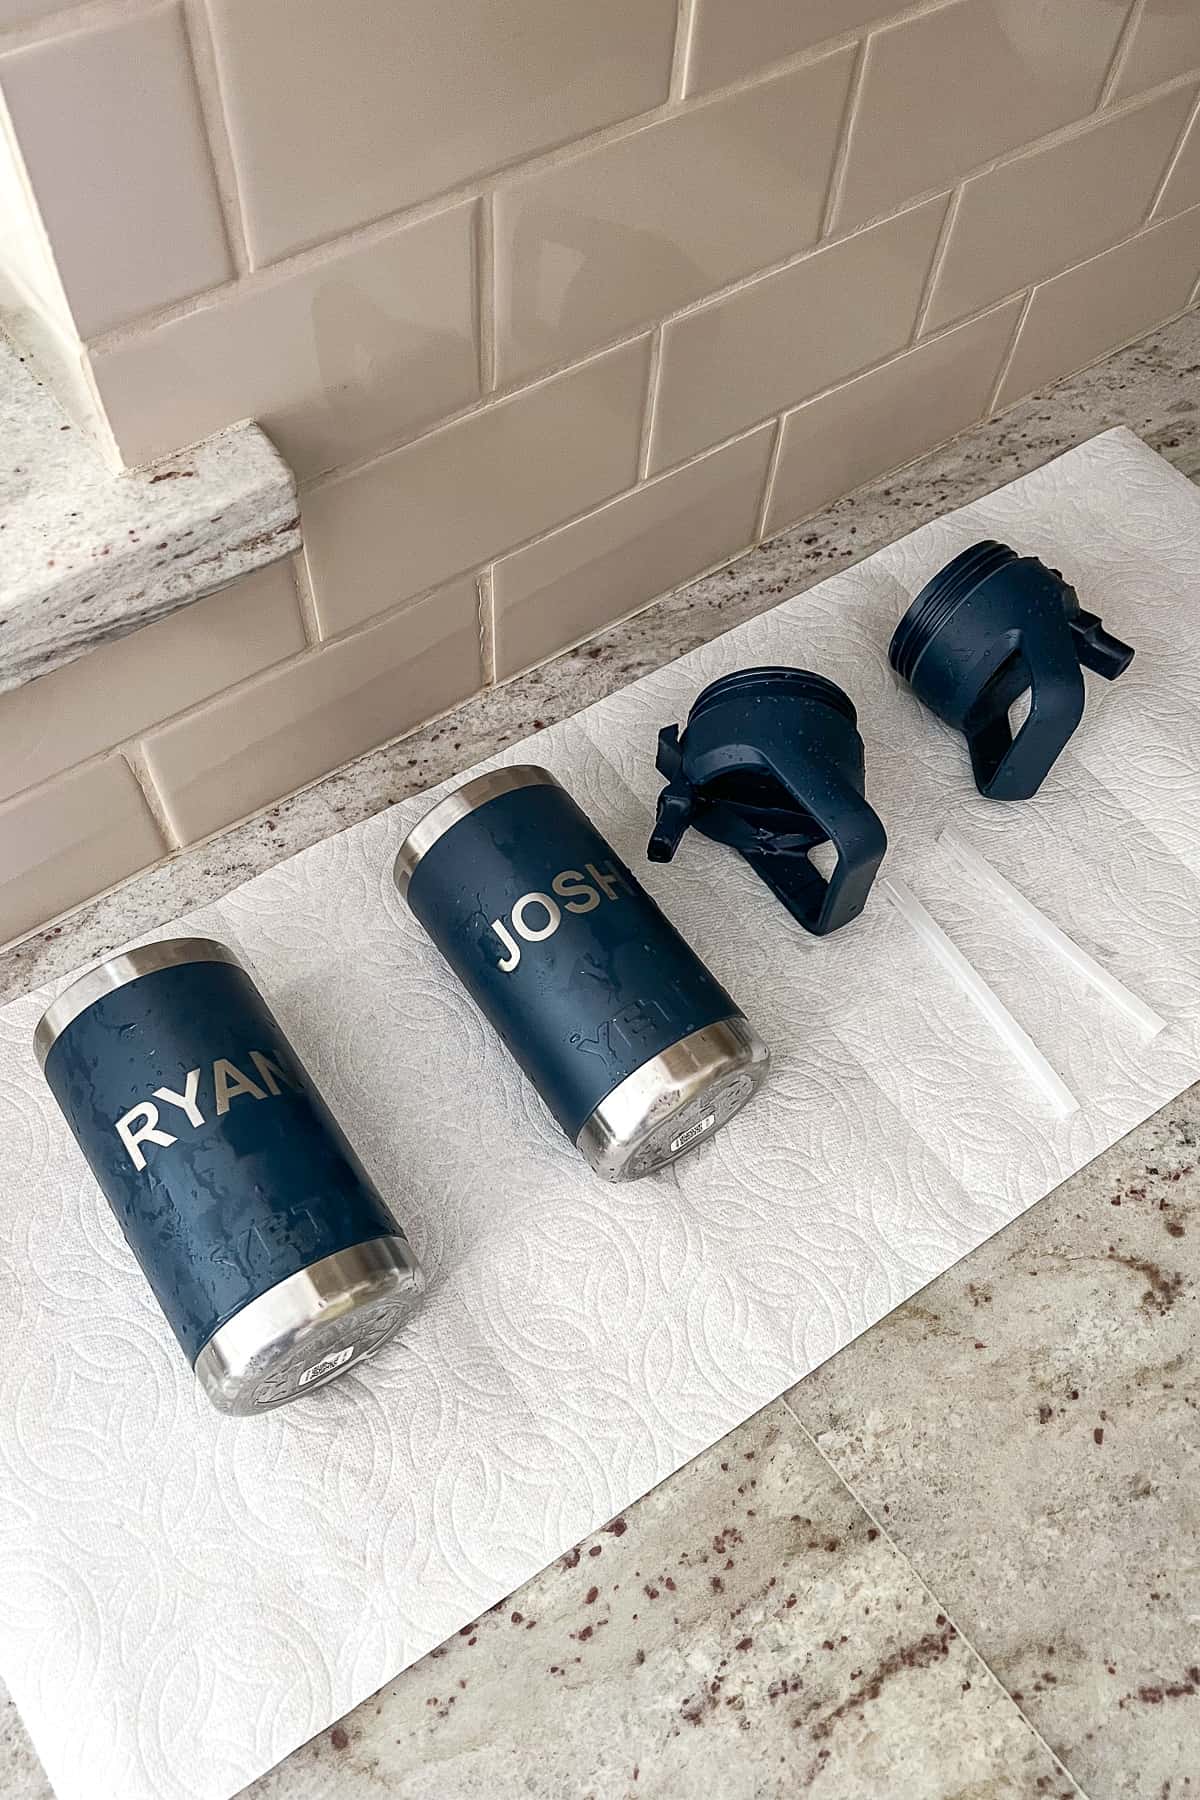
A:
184, 1598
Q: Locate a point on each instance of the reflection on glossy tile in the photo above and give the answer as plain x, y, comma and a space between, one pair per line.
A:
791, 334
638, 228
334, 361
622, 557
1039, 214
1080, 315
732, 38
295, 723
70, 840
464, 494
111, 134
950, 89
339, 114
888, 417
1183, 188
105, 697
1166, 41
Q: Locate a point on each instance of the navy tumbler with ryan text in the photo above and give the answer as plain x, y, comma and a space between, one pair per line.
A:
273, 1257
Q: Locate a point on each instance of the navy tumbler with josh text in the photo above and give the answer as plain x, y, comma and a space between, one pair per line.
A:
637, 1050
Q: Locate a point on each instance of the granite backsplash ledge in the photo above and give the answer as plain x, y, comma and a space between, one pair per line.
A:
88, 555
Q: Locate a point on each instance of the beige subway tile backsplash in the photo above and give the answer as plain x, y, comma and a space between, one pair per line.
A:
594, 248
343, 113
1165, 42
109, 126
70, 840
1078, 316
1052, 207
335, 360
887, 417
945, 91
791, 334
626, 554
1183, 188
733, 38
116, 691
474, 489
293, 724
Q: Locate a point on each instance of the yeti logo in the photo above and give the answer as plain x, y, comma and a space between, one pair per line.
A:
577, 895
140, 1124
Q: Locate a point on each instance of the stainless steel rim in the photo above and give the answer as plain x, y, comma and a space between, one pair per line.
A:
312, 1327
131, 965
458, 805
679, 1098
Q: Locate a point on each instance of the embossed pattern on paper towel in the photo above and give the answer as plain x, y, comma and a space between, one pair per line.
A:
184, 1598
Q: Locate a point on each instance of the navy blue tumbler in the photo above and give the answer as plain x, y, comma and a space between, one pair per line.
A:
273, 1257
634, 1046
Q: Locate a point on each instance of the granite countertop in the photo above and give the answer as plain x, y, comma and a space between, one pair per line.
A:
87, 554
956, 1561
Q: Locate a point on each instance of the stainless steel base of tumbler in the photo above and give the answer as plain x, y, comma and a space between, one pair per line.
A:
677, 1099
311, 1328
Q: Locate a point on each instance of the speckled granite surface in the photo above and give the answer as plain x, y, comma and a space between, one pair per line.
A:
86, 554
958, 1562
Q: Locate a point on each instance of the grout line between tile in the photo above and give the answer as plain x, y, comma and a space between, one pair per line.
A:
485, 592
685, 27
837, 173
764, 511
202, 51
597, 507
650, 409
935, 263
1125, 38
485, 291
882, 1528
722, 562
1193, 116
1006, 360
135, 761
317, 781
306, 599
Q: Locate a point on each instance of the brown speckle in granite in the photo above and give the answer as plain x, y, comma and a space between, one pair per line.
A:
339, 1739
930, 1648
1164, 1286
